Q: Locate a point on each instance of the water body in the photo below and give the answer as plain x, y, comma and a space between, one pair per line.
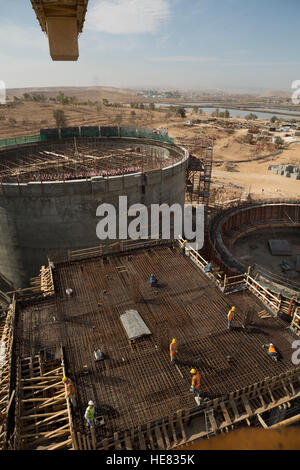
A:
209, 109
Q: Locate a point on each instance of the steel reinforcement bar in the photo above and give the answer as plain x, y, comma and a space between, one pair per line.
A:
226, 412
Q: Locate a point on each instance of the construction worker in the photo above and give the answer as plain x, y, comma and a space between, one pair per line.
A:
90, 415
153, 281
183, 247
230, 317
173, 349
70, 390
208, 268
272, 351
195, 387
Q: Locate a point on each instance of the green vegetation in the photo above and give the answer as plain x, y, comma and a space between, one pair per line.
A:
279, 142
274, 119
251, 117
181, 112
12, 121
60, 118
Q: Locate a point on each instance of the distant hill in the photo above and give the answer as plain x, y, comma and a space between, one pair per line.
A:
276, 94
93, 93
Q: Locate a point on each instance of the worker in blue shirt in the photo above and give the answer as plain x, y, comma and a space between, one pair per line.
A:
153, 281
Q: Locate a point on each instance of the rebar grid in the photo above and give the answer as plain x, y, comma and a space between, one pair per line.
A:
136, 382
84, 159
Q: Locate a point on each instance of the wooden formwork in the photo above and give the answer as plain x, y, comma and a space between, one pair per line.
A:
43, 417
234, 409
41, 392
42, 286
295, 325
6, 395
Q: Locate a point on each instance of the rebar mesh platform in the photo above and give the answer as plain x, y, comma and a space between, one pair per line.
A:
136, 383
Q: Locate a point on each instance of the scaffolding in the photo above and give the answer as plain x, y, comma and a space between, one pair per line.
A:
199, 171
85, 158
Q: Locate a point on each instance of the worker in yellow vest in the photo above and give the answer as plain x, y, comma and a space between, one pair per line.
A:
70, 389
230, 317
173, 349
183, 247
195, 388
90, 415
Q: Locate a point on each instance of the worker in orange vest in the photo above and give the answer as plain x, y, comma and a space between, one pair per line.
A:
195, 388
173, 349
230, 317
70, 390
272, 351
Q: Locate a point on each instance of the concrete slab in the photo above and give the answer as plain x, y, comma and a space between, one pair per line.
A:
280, 247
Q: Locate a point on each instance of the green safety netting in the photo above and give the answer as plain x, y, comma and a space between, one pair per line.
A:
69, 132
128, 131
90, 131
109, 131
19, 140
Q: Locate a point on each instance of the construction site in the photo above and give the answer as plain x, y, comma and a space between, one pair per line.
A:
90, 314
58, 185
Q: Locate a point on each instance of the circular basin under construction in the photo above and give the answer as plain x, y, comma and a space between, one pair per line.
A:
265, 236
50, 191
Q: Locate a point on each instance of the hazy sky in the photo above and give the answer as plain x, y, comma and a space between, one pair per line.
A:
225, 44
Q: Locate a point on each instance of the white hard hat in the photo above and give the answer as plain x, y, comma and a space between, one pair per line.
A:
91, 402
271, 344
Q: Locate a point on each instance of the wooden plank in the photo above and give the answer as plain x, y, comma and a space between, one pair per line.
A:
128, 443
88, 443
212, 422
166, 436
105, 444
180, 422
80, 445
150, 437
159, 438
235, 410
261, 399
66, 443
247, 405
94, 441
225, 413
270, 393
264, 425
142, 444
117, 442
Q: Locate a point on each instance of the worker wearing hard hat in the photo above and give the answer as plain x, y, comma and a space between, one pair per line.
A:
195, 387
70, 390
272, 351
230, 317
90, 415
183, 247
173, 349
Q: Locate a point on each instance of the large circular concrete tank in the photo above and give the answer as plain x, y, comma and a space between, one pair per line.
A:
49, 193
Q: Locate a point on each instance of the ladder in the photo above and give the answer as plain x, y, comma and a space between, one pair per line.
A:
210, 423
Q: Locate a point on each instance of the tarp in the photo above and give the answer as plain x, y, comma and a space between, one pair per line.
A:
134, 325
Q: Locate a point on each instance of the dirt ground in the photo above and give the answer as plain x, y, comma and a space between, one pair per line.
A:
229, 181
256, 179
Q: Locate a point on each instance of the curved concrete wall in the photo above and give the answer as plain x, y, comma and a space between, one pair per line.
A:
36, 218
230, 225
